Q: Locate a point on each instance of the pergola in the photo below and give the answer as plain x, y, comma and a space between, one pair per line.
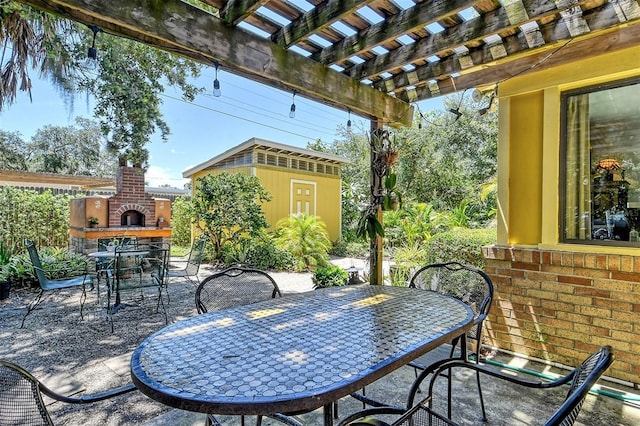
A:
374, 58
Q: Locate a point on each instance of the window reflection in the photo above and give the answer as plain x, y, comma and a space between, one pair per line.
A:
601, 129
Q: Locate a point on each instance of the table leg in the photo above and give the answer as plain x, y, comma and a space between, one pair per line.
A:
328, 414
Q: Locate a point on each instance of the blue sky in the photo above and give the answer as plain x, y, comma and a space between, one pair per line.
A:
204, 128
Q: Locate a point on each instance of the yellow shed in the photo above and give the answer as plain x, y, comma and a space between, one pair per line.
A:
300, 180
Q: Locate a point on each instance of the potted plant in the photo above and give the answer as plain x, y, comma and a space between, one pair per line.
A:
93, 221
6, 270
392, 197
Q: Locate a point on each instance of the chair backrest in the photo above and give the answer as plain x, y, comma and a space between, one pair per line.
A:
20, 398
195, 255
582, 380
467, 283
35, 261
233, 287
157, 261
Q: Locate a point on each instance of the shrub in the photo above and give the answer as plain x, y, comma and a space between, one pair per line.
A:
259, 253
51, 258
330, 276
461, 245
406, 259
306, 238
343, 248
181, 221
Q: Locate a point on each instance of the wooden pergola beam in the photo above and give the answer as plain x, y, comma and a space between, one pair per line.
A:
189, 31
316, 19
518, 56
610, 41
393, 27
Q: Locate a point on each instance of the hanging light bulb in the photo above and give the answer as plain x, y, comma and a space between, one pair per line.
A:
216, 83
349, 120
292, 111
92, 54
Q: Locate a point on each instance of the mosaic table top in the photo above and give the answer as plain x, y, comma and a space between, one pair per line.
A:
295, 353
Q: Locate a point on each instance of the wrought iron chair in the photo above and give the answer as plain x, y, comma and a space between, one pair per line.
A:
473, 287
21, 397
580, 381
237, 286
189, 267
136, 268
61, 270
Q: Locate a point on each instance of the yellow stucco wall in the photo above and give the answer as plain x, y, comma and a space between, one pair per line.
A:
529, 144
278, 182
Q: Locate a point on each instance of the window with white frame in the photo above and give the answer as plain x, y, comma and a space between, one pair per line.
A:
600, 160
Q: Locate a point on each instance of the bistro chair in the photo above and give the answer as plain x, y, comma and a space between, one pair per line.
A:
21, 400
190, 266
580, 381
468, 284
237, 286
60, 270
135, 269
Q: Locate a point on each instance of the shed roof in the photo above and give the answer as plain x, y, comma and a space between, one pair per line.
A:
257, 143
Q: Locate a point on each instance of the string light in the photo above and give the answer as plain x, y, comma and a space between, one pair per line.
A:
93, 52
216, 83
349, 120
292, 111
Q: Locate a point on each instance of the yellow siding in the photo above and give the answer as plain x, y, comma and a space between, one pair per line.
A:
278, 181
530, 138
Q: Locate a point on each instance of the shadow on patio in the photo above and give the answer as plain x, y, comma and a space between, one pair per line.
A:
71, 355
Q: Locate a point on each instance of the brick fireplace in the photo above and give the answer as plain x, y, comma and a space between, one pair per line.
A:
130, 212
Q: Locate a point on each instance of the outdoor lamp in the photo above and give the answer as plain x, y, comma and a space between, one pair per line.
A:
216, 83
292, 111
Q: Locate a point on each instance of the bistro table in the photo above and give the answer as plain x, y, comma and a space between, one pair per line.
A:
110, 256
294, 354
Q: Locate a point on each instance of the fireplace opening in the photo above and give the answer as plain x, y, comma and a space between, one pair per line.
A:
132, 218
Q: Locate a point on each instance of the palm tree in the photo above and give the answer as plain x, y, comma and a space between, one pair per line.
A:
306, 238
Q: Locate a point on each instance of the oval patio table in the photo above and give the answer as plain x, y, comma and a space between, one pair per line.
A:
296, 353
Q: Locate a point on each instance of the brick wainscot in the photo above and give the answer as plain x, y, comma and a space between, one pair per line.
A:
560, 306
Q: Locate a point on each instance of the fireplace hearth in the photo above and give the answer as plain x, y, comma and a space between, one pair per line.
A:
129, 213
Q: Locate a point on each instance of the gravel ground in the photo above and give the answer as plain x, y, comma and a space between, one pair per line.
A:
74, 356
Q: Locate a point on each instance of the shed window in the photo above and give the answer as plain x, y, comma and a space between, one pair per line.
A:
601, 164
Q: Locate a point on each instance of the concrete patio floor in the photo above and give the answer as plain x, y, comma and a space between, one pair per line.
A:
92, 359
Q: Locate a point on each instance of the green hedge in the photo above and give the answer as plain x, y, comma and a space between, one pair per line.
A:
43, 218
461, 245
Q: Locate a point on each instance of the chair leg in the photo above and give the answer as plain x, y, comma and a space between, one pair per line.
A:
484, 413
35, 302
212, 421
83, 298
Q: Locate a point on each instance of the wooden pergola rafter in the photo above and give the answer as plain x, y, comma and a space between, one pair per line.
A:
374, 67
374, 58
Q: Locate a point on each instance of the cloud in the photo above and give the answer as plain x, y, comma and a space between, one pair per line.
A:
157, 176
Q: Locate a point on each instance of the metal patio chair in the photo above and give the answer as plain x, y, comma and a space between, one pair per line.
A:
188, 268
21, 400
237, 286
466, 283
580, 381
48, 284
135, 269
